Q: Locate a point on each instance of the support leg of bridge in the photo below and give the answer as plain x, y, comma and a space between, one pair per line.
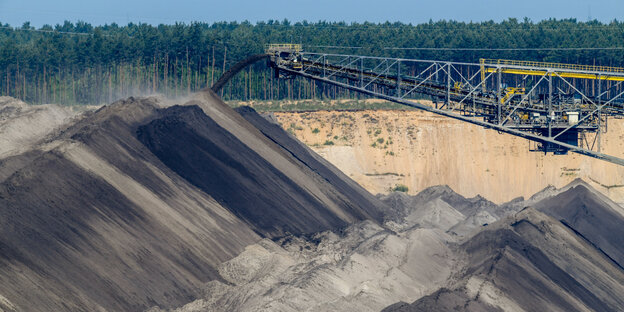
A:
448, 85
398, 86
550, 111
599, 112
550, 102
499, 96
362, 72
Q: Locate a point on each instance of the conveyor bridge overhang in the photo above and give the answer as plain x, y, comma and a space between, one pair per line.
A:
558, 107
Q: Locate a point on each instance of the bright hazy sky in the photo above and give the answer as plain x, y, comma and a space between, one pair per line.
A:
99, 12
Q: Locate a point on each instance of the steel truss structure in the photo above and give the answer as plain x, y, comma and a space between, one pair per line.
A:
559, 107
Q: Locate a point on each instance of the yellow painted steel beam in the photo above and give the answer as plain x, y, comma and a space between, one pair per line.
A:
494, 62
562, 74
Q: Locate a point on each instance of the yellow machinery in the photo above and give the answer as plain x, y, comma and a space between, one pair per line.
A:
457, 86
510, 92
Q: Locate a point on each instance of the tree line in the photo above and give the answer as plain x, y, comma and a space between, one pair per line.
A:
77, 63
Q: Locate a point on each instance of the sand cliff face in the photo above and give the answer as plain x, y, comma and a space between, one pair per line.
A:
380, 149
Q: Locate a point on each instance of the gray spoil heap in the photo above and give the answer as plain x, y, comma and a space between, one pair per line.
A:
561, 253
134, 205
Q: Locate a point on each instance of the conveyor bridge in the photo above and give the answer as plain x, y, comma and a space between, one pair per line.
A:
558, 107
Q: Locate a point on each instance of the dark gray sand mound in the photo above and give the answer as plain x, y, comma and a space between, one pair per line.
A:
134, 205
351, 195
98, 222
592, 216
198, 149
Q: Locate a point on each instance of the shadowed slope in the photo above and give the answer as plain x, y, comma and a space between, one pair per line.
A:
291, 162
354, 197
591, 215
198, 149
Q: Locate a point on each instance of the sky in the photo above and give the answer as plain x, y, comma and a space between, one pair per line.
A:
100, 12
